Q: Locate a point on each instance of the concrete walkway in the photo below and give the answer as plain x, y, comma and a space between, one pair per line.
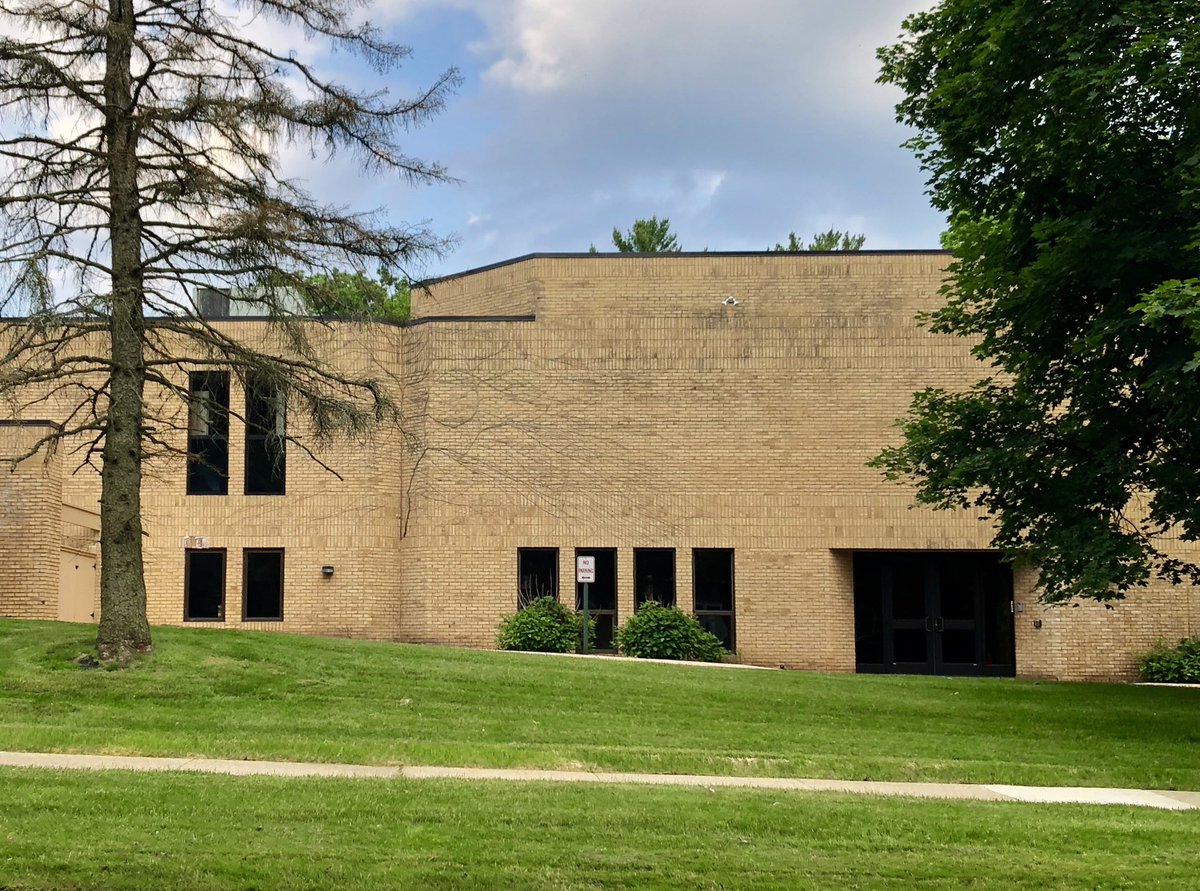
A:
1175, 801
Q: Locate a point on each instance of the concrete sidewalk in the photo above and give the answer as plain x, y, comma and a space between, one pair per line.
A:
1176, 801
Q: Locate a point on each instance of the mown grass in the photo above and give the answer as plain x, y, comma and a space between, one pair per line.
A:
118, 831
266, 696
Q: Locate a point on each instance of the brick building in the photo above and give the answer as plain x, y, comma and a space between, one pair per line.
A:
699, 423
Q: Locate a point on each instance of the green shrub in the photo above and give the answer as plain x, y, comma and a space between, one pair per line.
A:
544, 626
665, 632
1179, 664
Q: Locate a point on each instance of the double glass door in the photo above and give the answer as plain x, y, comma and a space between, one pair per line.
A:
933, 613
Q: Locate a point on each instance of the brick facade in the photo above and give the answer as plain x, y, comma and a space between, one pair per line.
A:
30, 523
625, 402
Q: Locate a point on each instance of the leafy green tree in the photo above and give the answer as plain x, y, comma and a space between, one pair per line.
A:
831, 240
141, 163
652, 236
1063, 142
344, 294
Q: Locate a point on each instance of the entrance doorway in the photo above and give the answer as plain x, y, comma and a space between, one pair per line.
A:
933, 613
602, 595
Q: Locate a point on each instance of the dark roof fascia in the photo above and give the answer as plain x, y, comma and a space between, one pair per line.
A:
609, 255
152, 320
425, 320
31, 423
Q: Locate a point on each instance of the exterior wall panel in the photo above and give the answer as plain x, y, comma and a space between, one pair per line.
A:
612, 402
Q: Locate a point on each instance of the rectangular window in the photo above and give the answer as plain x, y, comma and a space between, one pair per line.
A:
262, 585
602, 595
537, 574
204, 586
266, 437
208, 433
712, 584
654, 575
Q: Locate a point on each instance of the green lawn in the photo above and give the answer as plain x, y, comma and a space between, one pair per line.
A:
117, 831
242, 695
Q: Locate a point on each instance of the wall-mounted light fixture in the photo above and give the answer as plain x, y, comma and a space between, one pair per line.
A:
327, 571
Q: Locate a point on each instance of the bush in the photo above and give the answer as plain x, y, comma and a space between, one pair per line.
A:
544, 626
664, 632
1179, 664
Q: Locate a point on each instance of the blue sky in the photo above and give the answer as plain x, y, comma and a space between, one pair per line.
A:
738, 121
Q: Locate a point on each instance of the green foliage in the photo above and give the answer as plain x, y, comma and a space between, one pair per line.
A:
666, 632
355, 295
652, 236
1179, 664
831, 240
1060, 139
544, 626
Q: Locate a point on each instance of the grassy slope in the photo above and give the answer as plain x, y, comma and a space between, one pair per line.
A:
243, 695
117, 831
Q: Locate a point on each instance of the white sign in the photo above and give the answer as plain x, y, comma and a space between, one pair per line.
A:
585, 569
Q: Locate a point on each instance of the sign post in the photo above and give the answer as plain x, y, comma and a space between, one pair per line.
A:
585, 573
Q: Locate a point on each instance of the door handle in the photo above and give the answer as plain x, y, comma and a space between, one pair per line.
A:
929, 623
939, 624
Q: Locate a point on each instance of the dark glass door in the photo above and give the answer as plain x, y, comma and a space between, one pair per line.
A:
912, 644
933, 613
602, 595
960, 622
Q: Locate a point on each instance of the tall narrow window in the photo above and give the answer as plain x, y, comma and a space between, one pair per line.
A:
602, 595
208, 433
266, 437
537, 574
654, 575
712, 580
204, 586
262, 585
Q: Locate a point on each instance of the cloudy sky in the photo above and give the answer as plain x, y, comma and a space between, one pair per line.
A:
740, 121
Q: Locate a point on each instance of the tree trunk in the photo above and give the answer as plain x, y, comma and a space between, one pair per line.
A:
123, 624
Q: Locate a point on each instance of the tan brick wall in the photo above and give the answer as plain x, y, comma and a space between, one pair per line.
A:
640, 411
637, 410
351, 523
30, 524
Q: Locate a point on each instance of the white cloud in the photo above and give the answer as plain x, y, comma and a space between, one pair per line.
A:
796, 49
738, 121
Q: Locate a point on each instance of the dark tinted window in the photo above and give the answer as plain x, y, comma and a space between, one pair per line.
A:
654, 575
712, 585
262, 585
537, 574
204, 586
266, 417
208, 433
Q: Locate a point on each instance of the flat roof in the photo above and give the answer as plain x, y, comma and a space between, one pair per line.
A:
609, 255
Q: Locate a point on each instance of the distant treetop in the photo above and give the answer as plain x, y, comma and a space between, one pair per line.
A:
832, 240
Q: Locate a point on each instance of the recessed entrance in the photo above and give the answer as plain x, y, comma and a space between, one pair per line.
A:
933, 613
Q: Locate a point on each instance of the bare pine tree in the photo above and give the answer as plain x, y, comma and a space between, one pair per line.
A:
140, 161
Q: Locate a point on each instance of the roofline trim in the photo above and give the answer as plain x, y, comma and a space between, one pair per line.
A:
609, 255
425, 320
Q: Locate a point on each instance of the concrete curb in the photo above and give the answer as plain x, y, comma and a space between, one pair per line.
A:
1175, 801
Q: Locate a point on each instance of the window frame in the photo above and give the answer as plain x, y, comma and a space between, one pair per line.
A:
557, 580
187, 584
246, 553
593, 613
637, 602
219, 419
256, 433
730, 613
